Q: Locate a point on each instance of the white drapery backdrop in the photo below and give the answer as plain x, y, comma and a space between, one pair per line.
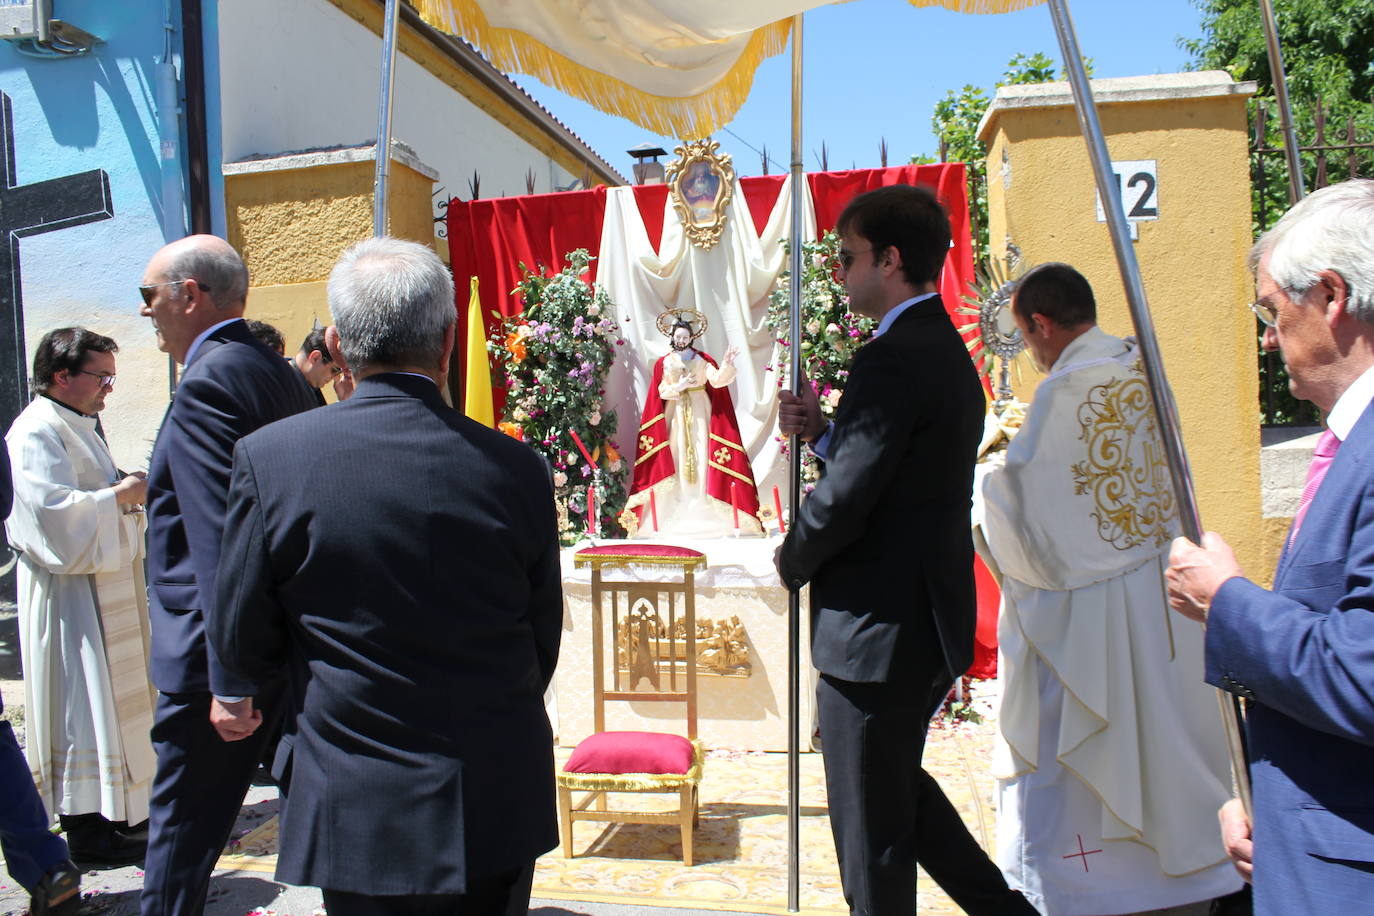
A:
729, 284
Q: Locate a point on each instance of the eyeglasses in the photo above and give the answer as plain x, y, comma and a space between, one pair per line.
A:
335, 370
106, 381
1266, 313
847, 258
146, 291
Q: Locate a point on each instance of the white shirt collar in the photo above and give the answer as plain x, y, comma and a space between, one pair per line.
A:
1351, 405
897, 312
195, 344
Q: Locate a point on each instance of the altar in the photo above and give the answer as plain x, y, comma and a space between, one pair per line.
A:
742, 693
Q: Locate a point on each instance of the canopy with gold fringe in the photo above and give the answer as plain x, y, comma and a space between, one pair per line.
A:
679, 68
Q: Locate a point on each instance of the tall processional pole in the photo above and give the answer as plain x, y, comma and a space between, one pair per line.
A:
381, 175
1166, 411
794, 491
1296, 191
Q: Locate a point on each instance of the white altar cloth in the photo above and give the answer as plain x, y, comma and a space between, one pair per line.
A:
745, 713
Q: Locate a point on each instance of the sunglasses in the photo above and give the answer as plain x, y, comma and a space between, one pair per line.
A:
147, 290
847, 258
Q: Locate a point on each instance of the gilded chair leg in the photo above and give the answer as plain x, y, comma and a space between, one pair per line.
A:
565, 827
687, 816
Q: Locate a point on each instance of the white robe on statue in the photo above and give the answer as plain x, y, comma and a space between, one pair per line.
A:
83, 618
1112, 758
683, 506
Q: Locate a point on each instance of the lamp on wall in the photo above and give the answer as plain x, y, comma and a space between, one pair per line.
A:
34, 31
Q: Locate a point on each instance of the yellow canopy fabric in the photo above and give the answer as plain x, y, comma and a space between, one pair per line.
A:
679, 68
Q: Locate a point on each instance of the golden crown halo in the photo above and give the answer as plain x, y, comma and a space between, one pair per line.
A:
690, 317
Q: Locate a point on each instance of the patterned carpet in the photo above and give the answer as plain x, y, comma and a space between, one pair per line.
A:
741, 840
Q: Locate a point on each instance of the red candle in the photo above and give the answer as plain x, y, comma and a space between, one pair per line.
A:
582, 448
777, 503
591, 509
653, 509
734, 503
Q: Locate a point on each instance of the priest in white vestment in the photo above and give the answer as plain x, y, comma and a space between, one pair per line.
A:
1112, 761
78, 526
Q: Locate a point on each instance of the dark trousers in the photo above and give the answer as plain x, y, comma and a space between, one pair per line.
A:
197, 793
888, 814
31, 849
503, 894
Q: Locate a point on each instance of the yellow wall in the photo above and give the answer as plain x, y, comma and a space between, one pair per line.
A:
412, 45
292, 224
1041, 196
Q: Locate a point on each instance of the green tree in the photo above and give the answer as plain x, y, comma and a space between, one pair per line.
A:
955, 122
1328, 46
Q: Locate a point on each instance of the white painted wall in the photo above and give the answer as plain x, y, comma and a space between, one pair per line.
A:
303, 75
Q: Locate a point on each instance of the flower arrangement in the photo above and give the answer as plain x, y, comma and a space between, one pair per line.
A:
830, 332
554, 356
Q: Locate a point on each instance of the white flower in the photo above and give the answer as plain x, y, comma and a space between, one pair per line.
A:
519, 415
595, 418
834, 397
813, 326
572, 458
560, 479
593, 309
614, 466
832, 329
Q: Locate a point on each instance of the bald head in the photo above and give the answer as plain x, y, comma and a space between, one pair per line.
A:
191, 285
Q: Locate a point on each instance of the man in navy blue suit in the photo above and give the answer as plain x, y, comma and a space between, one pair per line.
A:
1303, 652
412, 587
208, 726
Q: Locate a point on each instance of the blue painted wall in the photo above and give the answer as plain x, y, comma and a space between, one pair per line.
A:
99, 111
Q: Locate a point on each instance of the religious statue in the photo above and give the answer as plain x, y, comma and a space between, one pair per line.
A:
692, 476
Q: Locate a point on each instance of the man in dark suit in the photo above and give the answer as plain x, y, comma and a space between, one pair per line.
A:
411, 585
1303, 653
194, 292
884, 540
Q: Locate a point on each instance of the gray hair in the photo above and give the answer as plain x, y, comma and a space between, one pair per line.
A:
1330, 229
392, 301
218, 267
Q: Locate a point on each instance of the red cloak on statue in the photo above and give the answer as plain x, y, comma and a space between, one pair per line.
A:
726, 460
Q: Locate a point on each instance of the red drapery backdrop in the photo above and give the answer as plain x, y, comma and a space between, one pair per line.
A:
490, 239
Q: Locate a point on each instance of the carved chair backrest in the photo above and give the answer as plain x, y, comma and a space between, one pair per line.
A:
644, 644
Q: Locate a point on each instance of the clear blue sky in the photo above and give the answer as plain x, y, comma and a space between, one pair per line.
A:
876, 68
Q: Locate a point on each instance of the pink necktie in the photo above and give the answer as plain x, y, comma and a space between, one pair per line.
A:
1322, 456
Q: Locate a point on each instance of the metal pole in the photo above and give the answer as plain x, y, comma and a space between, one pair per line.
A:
382, 174
794, 493
1296, 192
1166, 412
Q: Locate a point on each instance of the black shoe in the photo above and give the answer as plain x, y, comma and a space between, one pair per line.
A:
58, 894
91, 838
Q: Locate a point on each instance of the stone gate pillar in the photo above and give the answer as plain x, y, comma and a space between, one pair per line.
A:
1179, 144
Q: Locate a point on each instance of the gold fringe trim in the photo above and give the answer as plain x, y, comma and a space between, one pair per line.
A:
688, 117
979, 6
601, 560
635, 782
647, 423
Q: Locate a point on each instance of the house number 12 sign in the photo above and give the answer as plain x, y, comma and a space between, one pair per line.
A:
1138, 180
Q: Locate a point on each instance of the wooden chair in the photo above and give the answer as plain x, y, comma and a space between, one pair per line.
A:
644, 636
